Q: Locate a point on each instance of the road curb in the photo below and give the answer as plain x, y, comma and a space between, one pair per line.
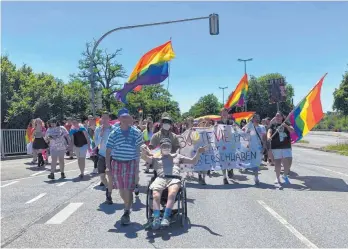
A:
316, 148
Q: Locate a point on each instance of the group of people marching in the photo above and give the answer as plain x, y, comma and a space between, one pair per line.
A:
116, 151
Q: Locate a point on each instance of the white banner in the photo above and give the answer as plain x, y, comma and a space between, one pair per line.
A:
228, 147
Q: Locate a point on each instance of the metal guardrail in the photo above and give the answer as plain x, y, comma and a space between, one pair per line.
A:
13, 142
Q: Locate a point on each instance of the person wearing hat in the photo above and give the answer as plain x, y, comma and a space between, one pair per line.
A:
122, 156
164, 132
166, 164
226, 120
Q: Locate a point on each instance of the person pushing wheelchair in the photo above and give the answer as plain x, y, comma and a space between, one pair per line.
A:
167, 166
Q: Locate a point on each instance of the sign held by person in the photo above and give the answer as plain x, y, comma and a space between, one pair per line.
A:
228, 147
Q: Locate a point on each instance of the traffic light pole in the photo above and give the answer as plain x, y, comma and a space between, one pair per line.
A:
223, 94
214, 30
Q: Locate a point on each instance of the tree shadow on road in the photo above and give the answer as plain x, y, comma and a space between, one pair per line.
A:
175, 230
319, 183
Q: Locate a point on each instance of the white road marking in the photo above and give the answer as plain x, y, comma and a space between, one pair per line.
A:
332, 171
293, 230
8, 184
36, 198
60, 217
60, 184
38, 173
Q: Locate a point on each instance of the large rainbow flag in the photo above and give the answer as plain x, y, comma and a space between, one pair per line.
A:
151, 69
238, 96
308, 113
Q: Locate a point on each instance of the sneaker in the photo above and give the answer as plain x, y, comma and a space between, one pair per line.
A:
125, 219
136, 190
81, 176
62, 175
226, 181
256, 180
95, 171
108, 198
51, 176
165, 222
286, 179
230, 173
156, 223
277, 182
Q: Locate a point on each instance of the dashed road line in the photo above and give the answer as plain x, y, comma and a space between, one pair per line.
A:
60, 217
293, 230
8, 184
60, 184
36, 198
38, 173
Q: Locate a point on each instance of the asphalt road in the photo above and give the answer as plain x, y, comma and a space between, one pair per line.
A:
311, 212
321, 139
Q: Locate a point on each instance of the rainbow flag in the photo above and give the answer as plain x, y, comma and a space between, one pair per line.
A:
308, 113
151, 69
156, 151
239, 116
237, 98
29, 135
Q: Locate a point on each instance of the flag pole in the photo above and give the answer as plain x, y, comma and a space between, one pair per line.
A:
168, 81
322, 78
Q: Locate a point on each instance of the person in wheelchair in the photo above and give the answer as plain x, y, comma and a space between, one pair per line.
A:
166, 166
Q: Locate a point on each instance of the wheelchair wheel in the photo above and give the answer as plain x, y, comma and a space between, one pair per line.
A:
183, 205
185, 201
149, 201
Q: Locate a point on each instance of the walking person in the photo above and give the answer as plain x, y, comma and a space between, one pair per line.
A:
58, 139
102, 133
122, 153
147, 135
67, 126
226, 121
81, 144
39, 143
281, 146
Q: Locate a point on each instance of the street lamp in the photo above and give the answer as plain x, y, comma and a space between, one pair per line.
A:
223, 93
245, 61
213, 29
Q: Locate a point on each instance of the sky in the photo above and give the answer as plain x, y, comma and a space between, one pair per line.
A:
300, 40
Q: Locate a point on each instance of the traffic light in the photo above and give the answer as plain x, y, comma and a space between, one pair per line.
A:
214, 24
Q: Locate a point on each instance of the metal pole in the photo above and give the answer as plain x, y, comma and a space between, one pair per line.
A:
245, 71
123, 28
223, 93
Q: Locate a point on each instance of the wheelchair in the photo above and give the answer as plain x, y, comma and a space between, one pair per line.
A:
180, 213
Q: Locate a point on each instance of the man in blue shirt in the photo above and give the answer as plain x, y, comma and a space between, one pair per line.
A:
122, 154
101, 136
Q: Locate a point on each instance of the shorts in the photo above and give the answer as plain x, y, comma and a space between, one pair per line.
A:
161, 183
123, 174
39, 144
281, 153
57, 153
81, 152
101, 164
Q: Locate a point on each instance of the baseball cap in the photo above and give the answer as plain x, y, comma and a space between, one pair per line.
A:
123, 112
166, 116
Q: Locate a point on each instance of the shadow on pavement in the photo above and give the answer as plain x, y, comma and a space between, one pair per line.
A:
175, 230
319, 183
138, 205
231, 186
130, 231
110, 209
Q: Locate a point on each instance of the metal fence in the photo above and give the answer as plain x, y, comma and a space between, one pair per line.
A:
13, 142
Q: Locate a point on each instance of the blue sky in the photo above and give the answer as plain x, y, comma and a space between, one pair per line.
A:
301, 40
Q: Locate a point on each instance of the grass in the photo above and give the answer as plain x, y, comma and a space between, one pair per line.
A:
303, 142
340, 148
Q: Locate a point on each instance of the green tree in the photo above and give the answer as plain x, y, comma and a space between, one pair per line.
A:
258, 96
153, 100
341, 96
109, 73
206, 105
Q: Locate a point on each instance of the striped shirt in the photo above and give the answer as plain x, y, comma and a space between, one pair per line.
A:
125, 145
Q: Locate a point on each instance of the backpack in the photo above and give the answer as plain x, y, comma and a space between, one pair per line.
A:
79, 139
